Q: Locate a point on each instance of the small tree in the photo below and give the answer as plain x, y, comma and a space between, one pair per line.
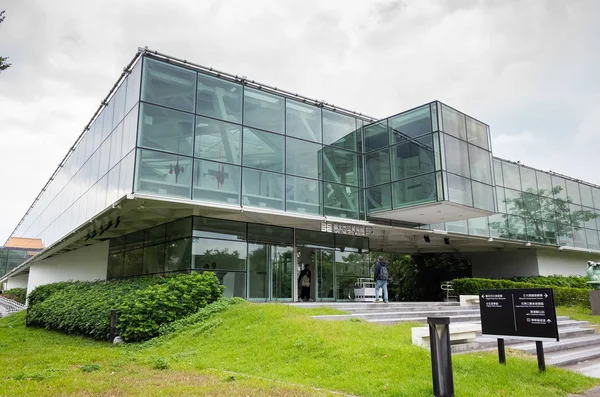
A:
534, 213
3, 60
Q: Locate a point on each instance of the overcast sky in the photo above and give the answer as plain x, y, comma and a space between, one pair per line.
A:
530, 69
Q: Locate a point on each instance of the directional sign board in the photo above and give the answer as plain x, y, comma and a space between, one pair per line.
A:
518, 313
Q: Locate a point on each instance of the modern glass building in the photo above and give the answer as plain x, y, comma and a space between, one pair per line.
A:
185, 168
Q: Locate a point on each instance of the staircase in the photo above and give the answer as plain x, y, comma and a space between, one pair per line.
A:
9, 306
578, 349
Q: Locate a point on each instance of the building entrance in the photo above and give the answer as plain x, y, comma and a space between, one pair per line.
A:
320, 263
270, 272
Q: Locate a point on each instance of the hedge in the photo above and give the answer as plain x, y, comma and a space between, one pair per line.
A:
143, 304
563, 296
16, 294
555, 281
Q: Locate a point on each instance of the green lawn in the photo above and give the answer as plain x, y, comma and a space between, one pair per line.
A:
579, 313
259, 349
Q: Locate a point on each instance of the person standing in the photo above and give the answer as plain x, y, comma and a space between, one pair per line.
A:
304, 280
381, 279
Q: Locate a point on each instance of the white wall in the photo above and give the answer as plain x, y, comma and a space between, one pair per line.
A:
553, 261
84, 264
504, 264
17, 281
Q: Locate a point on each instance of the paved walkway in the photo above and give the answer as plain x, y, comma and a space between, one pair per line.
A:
595, 392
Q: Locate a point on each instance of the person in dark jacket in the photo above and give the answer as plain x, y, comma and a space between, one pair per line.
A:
304, 279
381, 279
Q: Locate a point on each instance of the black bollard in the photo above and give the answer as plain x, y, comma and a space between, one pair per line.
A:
441, 356
113, 325
501, 351
539, 348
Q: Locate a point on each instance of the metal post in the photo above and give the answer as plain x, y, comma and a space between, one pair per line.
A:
539, 348
113, 325
501, 352
441, 356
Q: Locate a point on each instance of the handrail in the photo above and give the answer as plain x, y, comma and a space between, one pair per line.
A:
448, 288
9, 306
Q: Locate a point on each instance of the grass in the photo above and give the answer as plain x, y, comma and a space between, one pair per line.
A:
579, 313
259, 349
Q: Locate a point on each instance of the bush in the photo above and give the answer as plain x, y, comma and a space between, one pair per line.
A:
146, 310
43, 292
555, 281
143, 304
563, 296
16, 294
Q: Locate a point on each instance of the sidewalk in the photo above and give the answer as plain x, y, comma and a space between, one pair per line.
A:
595, 392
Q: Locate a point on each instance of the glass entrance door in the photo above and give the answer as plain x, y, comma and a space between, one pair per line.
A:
325, 274
270, 270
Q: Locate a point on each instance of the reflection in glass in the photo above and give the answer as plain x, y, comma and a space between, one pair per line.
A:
339, 130
216, 182
410, 124
498, 179
263, 110
516, 228
579, 238
270, 271
412, 158
559, 187
163, 174
303, 195
458, 226
479, 226
586, 195
573, 191
340, 201
378, 167
565, 234
303, 158
457, 157
133, 262
528, 180
512, 177
340, 166
477, 133
218, 140
480, 164
498, 226
379, 198
219, 228
303, 121
154, 259
459, 190
210, 255
454, 123
514, 201
165, 129
483, 196
544, 184
262, 189
377, 136
411, 191
596, 197
550, 233
263, 150
168, 85
593, 241
219, 98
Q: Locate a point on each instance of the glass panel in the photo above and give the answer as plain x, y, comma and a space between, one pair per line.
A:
179, 229
262, 189
592, 239
133, 262
154, 259
479, 226
218, 140
477, 133
596, 196
234, 283
514, 202
168, 85
576, 215
459, 190
454, 122
531, 206
480, 164
483, 196
412, 158
133, 87
588, 218
119, 109
535, 230
263, 150
163, 174
544, 184
562, 213
512, 177
434, 121
115, 265
303, 195
413, 191
339, 130
219, 98
559, 187
498, 226
457, 158
573, 191
314, 239
270, 234
263, 110
210, 254
130, 130
303, 121
340, 166
501, 200
340, 201
325, 274
258, 271
410, 124
379, 198
579, 238
376, 136
219, 228
216, 182
178, 255
303, 158
586, 195
516, 228
165, 129
378, 167
528, 180
565, 234
498, 173
458, 226
550, 233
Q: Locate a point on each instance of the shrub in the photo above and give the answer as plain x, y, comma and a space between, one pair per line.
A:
43, 292
90, 367
143, 304
146, 310
16, 294
555, 281
565, 296
160, 363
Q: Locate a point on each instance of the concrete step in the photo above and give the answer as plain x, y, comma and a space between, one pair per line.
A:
397, 314
399, 320
372, 305
589, 368
388, 309
565, 344
572, 356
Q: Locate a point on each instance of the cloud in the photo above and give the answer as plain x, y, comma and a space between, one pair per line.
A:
526, 68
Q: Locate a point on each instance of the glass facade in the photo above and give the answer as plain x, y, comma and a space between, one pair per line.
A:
251, 260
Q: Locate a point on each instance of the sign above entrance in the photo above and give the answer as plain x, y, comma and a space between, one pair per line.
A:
345, 228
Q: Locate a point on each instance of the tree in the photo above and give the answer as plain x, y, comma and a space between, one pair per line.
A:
3, 60
535, 216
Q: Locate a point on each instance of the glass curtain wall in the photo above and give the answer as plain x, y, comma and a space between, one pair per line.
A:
215, 140
96, 174
251, 260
